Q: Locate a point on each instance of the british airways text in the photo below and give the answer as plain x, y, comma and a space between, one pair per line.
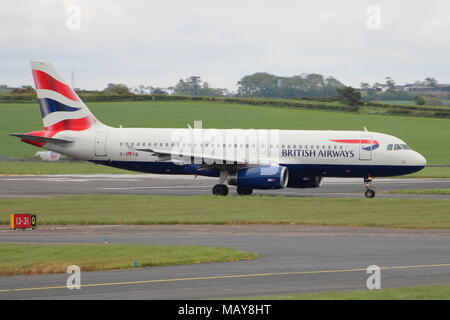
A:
318, 153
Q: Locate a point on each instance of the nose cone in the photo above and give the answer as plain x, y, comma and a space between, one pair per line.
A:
414, 162
419, 160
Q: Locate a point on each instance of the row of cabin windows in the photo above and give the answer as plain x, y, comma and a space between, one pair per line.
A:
391, 147
178, 144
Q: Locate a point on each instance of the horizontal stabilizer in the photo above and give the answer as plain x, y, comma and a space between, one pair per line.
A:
40, 139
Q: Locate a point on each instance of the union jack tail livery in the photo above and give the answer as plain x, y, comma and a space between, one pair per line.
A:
61, 108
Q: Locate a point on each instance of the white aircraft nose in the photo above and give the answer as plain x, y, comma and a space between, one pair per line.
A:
419, 160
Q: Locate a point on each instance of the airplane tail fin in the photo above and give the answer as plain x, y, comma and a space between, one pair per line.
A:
61, 108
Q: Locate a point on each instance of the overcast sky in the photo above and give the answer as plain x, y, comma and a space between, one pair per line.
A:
158, 42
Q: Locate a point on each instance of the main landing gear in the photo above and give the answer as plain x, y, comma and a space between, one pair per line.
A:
244, 191
368, 183
221, 189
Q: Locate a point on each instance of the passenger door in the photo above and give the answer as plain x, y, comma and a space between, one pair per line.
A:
365, 148
100, 143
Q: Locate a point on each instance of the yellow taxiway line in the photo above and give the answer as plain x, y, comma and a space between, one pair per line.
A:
226, 277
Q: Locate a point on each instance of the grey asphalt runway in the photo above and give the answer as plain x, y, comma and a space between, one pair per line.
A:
293, 259
48, 185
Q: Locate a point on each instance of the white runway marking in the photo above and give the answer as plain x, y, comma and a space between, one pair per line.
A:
100, 177
150, 177
78, 179
165, 187
21, 196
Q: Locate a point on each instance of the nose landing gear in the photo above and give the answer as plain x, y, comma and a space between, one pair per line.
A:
368, 183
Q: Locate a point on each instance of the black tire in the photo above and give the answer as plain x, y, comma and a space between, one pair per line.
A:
244, 191
220, 190
369, 193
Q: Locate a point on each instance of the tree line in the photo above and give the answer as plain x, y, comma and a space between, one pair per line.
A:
266, 85
257, 85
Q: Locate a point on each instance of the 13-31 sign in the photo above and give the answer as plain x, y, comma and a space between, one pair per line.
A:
22, 221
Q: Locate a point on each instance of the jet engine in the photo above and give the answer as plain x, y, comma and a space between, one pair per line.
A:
267, 177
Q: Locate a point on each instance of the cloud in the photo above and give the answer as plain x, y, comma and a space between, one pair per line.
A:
159, 42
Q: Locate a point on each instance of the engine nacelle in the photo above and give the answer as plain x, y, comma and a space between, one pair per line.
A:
270, 177
304, 182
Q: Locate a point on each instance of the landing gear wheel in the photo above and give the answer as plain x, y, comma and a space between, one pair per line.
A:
244, 191
369, 193
220, 190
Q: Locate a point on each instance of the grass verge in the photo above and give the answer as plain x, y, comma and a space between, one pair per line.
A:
423, 191
153, 209
41, 167
19, 259
439, 292
430, 172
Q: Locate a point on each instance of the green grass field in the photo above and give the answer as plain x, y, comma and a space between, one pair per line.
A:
424, 191
430, 172
397, 102
42, 167
23, 259
429, 136
138, 209
438, 292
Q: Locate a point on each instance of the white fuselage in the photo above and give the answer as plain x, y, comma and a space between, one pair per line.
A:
322, 151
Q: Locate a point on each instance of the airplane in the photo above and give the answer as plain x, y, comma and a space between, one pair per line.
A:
248, 159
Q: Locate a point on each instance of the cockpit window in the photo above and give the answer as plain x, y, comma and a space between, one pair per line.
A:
405, 147
391, 147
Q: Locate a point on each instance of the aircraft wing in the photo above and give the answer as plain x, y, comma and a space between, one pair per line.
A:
40, 139
208, 161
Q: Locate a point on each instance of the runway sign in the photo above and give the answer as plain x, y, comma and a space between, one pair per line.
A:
22, 221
